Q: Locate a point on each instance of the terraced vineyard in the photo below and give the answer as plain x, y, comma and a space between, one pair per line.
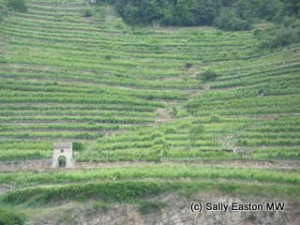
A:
139, 94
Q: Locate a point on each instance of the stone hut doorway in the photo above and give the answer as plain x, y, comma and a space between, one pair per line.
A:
62, 161
63, 155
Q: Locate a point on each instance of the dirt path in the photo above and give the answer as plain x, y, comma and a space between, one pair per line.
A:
45, 165
151, 179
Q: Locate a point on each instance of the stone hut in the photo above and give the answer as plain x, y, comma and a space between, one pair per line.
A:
63, 155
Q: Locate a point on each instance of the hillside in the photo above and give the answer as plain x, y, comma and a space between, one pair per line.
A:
211, 108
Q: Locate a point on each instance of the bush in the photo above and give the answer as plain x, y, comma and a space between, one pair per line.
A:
87, 13
235, 14
214, 119
156, 135
146, 207
285, 37
159, 141
2, 12
228, 20
281, 37
208, 75
270, 9
194, 133
17, 5
8, 217
78, 146
188, 65
127, 191
101, 207
170, 130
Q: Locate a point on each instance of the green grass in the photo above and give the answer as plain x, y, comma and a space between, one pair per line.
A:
155, 171
11, 217
131, 191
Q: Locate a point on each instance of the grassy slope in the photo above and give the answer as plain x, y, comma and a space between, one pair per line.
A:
66, 77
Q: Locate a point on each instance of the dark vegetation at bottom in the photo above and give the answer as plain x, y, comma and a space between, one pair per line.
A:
132, 191
9, 217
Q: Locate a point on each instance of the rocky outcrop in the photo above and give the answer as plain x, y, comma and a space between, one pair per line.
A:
178, 212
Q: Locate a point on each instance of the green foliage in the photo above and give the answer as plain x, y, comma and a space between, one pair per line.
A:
227, 15
195, 132
79, 82
271, 10
100, 206
214, 119
284, 37
170, 130
87, 13
3, 11
288, 33
158, 171
147, 207
208, 75
78, 146
159, 141
107, 191
69, 80
168, 12
11, 217
133, 191
17, 5
228, 20
292, 8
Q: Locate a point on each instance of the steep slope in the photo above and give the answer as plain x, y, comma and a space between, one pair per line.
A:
163, 113
69, 77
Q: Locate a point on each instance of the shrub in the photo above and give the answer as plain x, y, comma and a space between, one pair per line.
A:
107, 57
159, 141
285, 37
281, 37
194, 132
2, 12
101, 207
228, 20
156, 135
258, 32
235, 14
188, 65
17, 5
214, 119
8, 217
127, 191
87, 13
270, 9
170, 130
208, 75
78, 146
146, 207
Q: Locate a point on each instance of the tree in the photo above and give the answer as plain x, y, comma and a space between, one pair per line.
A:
225, 14
270, 9
207, 11
229, 20
292, 8
17, 5
194, 132
284, 37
